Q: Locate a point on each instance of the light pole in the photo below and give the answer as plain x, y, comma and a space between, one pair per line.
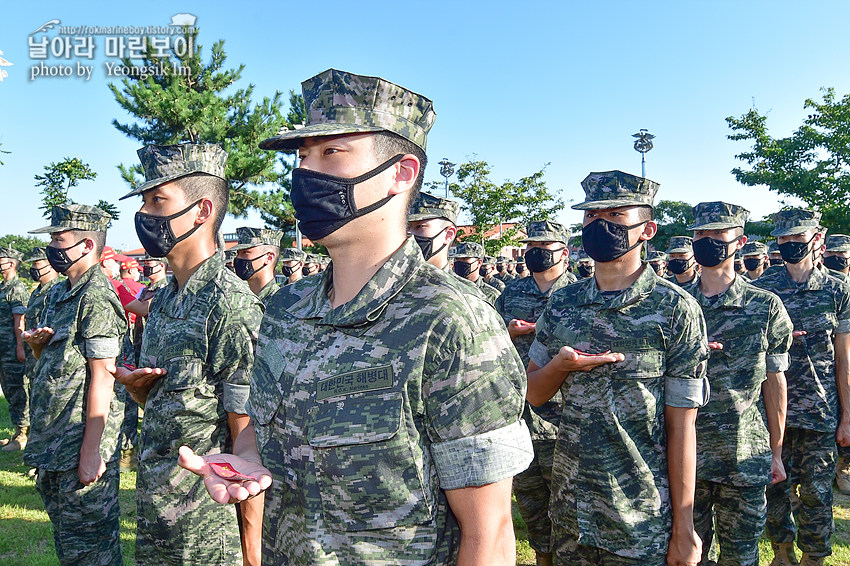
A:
447, 169
643, 144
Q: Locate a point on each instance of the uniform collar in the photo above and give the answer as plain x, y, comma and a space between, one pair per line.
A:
368, 305
733, 297
206, 272
643, 286
82, 282
814, 283
528, 285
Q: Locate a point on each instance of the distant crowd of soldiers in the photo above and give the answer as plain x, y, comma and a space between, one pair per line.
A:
382, 408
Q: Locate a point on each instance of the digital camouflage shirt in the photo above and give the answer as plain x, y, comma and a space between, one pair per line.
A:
266, 292
88, 323
733, 443
490, 293
203, 334
366, 412
35, 310
820, 307
610, 486
13, 300
523, 300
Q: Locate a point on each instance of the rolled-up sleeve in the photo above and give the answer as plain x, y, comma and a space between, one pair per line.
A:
687, 354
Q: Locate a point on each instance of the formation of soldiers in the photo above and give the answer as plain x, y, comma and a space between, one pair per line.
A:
384, 409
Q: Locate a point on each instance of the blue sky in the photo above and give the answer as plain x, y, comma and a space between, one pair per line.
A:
516, 84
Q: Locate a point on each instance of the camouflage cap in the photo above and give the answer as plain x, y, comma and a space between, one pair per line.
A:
838, 243
428, 206
680, 245
502, 259
36, 254
489, 260
75, 217
795, 221
718, 216
469, 249
11, 253
657, 256
163, 163
338, 102
520, 260
545, 231
584, 258
754, 248
292, 254
612, 189
312, 258
251, 237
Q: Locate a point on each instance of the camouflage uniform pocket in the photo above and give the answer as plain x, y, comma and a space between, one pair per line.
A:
370, 472
637, 386
184, 372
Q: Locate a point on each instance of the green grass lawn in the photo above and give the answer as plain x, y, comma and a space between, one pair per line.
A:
26, 537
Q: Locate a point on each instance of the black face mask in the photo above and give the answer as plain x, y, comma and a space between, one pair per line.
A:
541, 259
776, 261
35, 274
836, 262
462, 268
606, 241
155, 232
148, 270
585, 270
795, 252
288, 270
482, 271
427, 244
244, 268
325, 203
520, 269
709, 252
58, 257
657, 268
305, 271
678, 266
752, 263
500, 268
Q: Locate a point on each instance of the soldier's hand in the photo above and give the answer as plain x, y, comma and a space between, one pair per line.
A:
715, 346
90, 468
685, 549
139, 378
20, 353
798, 333
220, 489
517, 327
38, 337
777, 470
570, 359
842, 435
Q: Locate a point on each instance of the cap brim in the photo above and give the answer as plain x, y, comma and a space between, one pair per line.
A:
791, 231
542, 239
609, 203
154, 183
239, 247
714, 226
291, 140
50, 230
418, 217
678, 251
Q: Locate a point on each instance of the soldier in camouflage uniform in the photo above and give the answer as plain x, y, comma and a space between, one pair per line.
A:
195, 362
488, 272
628, 351
520, 305
519, 268
739, 431
837, 259
774, 256
503, 273
255, 244
657, 260
42, 273
818, 391
432, 223
383, 395
76, 415
13, 307
468, 258
755, 259
680, 261
584, 266
311, 265
292, 260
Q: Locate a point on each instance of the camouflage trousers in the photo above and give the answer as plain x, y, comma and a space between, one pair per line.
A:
809, 459
844, 451
85, 518
16, 388
567, 552
741, 514
130, 425
531, 488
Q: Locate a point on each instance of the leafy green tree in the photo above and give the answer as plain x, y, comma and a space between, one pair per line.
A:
23, 244
673, 218
812, 164
491, 205
59, 178
197, 102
